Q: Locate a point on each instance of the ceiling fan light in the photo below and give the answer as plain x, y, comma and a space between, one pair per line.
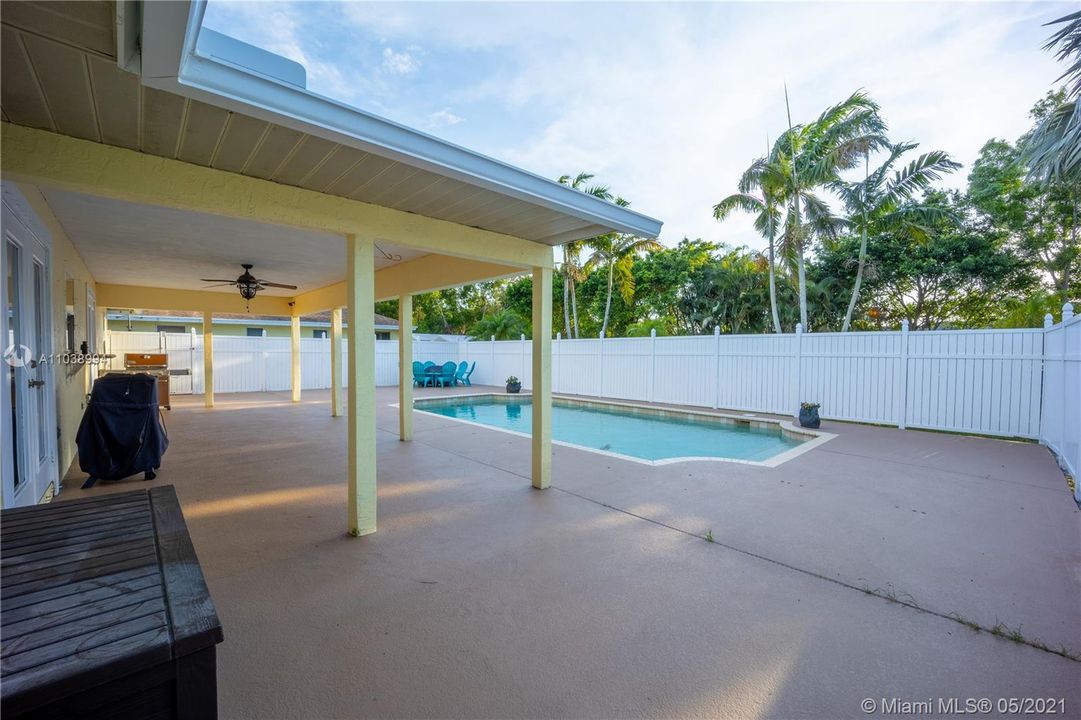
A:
248, 290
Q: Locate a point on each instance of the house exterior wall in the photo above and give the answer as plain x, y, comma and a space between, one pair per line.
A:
72, 381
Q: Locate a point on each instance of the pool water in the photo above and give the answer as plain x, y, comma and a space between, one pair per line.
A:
642, 434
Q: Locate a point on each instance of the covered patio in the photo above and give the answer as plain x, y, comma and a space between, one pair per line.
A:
146, 153
601, 597
145, 248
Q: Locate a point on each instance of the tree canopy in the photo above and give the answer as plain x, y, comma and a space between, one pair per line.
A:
840, 253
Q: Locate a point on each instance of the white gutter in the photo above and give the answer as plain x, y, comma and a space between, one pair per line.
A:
172, 59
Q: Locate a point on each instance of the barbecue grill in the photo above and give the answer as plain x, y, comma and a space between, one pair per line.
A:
154, 364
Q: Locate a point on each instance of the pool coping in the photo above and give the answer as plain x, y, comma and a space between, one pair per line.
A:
815, 438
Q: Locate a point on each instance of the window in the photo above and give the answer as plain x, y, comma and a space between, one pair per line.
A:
256, 332
171, 328
382, 335
319, 334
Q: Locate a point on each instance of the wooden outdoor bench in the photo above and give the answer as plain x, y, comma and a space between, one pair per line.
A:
105, 612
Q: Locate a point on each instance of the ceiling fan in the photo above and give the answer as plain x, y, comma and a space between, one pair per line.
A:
248, 284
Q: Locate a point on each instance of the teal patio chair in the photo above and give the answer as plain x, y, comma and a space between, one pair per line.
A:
460, 372
446, 375
419, 376
463, 374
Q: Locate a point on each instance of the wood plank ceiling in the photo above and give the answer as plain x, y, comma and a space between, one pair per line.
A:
58, 72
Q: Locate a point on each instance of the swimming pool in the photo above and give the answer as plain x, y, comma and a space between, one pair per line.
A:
643, 434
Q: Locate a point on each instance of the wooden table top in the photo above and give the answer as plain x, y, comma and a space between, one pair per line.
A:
94, 589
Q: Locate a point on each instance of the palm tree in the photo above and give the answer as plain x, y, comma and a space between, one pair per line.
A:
810, 156
877, 204
572, 274
503, 325
572, 253
616, 252
1053, 150
764, 179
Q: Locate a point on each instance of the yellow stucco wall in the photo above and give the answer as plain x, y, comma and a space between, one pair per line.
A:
71, 380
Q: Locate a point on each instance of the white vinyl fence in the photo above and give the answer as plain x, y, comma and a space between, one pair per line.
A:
980, 381
1060, 426
260, 364
1013, 383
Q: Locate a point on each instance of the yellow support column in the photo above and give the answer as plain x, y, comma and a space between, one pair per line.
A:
360, 299
405, 367
294, 333
208, 359
542, 377
336, 362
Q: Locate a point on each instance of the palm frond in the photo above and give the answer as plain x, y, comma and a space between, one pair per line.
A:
916, 221
751, 178
744, 202
846, 153
877, 177
1053, 149
836, 113
790, 242
625, 278
820, 218
918, 174
579, 180
598, 191
767, 221
1068, 40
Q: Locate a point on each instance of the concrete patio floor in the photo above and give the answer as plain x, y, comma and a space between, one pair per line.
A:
481, 597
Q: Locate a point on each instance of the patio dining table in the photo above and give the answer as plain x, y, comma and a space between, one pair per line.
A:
433, 372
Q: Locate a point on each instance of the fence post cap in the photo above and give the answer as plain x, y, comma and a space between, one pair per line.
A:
904, 324
1048, 320
493, 338
653, 332
559, 336
799, 328
522, 337
601, 334
716, 329
1067, 311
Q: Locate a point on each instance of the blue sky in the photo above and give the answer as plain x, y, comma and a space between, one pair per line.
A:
664, 102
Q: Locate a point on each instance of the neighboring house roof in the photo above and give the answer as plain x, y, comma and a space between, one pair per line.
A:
382, 322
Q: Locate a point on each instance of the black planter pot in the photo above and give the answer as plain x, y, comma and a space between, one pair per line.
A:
808, 418
514, 388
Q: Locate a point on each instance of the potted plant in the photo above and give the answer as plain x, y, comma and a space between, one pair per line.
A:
808, 415
513, 384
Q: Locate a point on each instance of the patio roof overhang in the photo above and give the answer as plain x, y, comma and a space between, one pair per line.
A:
197, 134
449, 253
173, 54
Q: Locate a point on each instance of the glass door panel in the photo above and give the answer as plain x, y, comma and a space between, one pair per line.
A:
12, 357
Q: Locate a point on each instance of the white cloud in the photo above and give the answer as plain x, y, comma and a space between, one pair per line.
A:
399, 63
444, 118
678, 98
671, 122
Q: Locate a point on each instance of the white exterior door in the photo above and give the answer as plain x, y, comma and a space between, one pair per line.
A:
28, 396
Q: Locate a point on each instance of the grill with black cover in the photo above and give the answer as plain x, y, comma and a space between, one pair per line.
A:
121, 432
